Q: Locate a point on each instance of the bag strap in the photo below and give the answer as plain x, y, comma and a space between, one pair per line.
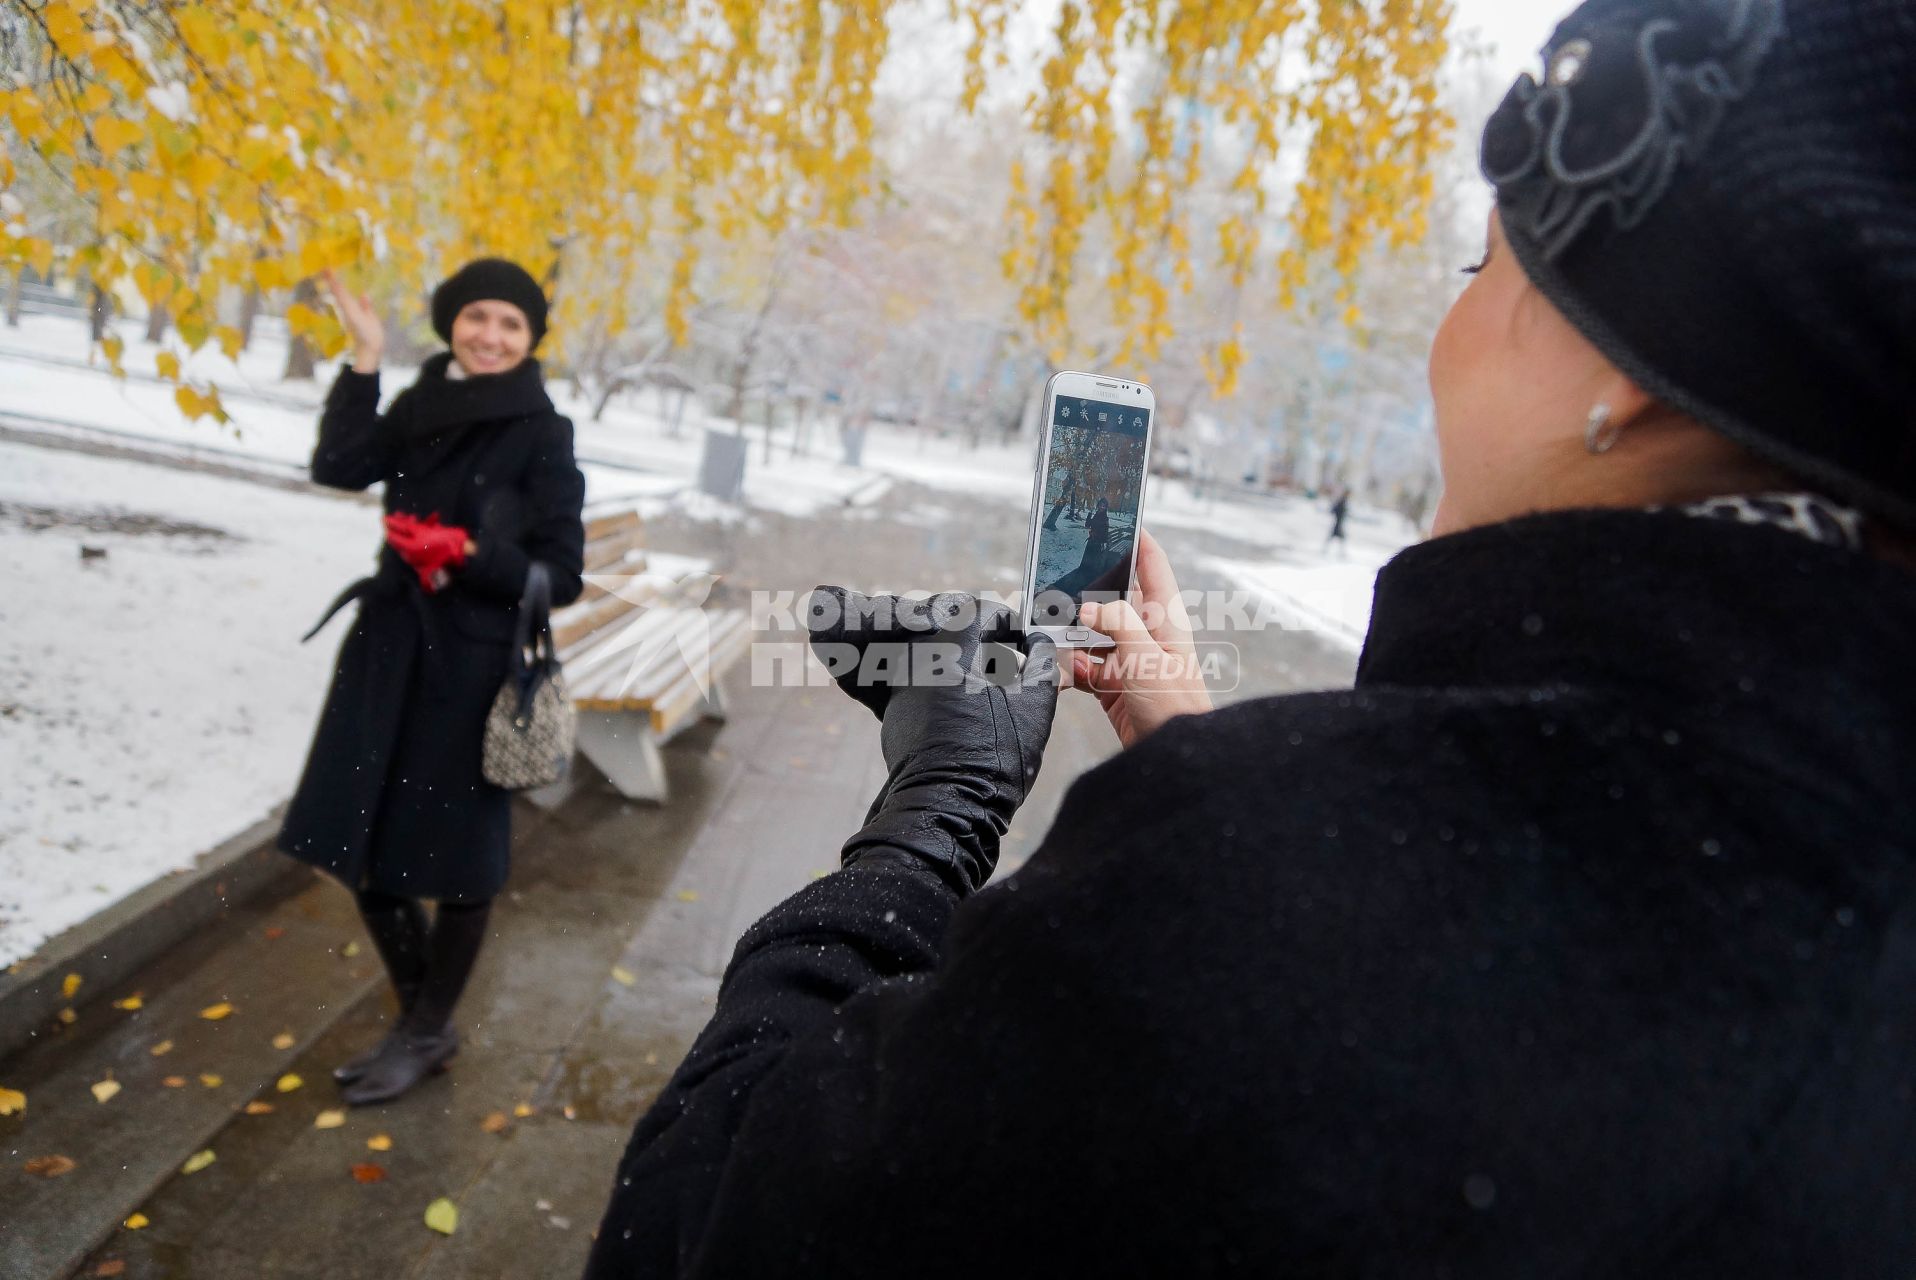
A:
534, 654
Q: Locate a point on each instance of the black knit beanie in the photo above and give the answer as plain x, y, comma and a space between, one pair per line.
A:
489, 278
1721, 195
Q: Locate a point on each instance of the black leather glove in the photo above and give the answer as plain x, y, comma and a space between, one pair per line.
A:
964, 728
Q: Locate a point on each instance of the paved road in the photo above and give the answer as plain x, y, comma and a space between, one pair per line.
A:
606, 957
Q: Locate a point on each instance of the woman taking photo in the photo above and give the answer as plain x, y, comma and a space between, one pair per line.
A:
1579, 939
480, 484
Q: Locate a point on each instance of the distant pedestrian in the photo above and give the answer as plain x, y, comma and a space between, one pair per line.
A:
1339, 511
480, 483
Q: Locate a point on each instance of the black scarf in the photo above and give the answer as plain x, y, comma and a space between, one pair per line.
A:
436, 405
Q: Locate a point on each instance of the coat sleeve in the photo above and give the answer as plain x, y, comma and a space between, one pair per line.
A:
354, 451
553, 533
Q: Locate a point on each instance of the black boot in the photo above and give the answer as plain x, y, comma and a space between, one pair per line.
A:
398, 929
424, 1040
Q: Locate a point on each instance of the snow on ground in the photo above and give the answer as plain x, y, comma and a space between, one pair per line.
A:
156, 700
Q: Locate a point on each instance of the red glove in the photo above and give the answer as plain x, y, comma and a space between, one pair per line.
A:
429, 547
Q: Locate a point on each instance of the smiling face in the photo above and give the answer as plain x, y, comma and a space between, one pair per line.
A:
490, 336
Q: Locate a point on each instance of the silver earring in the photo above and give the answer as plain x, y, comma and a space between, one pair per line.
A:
1600, 435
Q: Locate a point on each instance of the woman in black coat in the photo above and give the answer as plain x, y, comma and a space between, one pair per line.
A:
479, 484
1579, 939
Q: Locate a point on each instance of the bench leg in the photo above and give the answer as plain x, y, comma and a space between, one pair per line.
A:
552, 796
622, 747
715, 700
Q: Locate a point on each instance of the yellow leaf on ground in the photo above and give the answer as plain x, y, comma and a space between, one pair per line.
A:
625, 976
105, 1089
495, 1123
350, 950
214, 1012
442, 1215
210, 1080
288, 1083
380, 1142
197, 1161
137, 1221
49, 1166
161, 1049
330, 1119
258, 1108
688, 895
111, 1267
284, 1040
12, 1100
131, 1003
523, 1110
651, 1059
70, 984
69, 1017
174, 1082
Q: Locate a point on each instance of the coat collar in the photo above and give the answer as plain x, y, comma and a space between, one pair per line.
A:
1745, 633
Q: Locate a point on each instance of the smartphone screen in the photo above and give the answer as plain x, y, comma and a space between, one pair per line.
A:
1093, 486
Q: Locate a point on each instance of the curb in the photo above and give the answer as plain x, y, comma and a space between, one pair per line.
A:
111, 946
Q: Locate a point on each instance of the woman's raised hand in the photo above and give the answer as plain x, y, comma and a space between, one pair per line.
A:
361, 321
1152, 676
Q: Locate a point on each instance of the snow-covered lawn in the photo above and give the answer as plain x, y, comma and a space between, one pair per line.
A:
154, 700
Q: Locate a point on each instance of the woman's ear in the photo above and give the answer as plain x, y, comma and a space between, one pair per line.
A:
1628, 402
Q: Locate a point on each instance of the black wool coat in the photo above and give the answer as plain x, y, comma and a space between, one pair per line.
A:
1577, 940
392, 796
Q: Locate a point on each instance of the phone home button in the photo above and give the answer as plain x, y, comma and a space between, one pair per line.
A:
1077, 635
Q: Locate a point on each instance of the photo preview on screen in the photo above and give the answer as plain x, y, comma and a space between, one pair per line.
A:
1094, 484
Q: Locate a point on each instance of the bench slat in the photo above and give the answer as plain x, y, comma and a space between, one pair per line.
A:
612, 522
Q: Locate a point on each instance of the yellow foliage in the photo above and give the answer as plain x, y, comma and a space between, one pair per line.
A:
264, 141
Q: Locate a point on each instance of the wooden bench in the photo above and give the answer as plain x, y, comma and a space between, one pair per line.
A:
643, 655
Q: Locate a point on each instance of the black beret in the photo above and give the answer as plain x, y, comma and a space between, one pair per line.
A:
1721, 196
489, 278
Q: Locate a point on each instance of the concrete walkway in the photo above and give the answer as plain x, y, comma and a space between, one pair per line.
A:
607, 952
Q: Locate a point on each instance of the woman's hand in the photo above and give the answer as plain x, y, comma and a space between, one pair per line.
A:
1152, 676
361, 321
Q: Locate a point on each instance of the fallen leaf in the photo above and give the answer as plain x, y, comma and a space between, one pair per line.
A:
369, 1173
688, 895
284, 1040
49, 1166
70, 984
570, 1114
104, 1090
379, 1142
274, 931
562, 1223
523, 1110
651, 1059
350, 950
495, 1123
625, 976
111, 1267
442, 1215
214, 1012
259, 1108
329, 1119
161, 1049
543, 1206
69, 1017
288, 1082
12, 1100
132, 1002
197, 1161
137, 1221
174, 1082
210, 1080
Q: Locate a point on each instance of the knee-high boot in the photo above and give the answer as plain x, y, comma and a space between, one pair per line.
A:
425, 1040
398, 929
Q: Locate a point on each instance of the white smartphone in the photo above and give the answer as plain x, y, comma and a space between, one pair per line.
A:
1094, 451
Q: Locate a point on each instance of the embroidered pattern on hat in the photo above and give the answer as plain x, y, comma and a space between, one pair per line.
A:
1687, 64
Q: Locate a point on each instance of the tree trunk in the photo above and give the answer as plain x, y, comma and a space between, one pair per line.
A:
249, 312
14, 288
300, 356
99, 311
155, 323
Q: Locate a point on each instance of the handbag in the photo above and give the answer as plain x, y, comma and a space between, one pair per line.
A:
533, 726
